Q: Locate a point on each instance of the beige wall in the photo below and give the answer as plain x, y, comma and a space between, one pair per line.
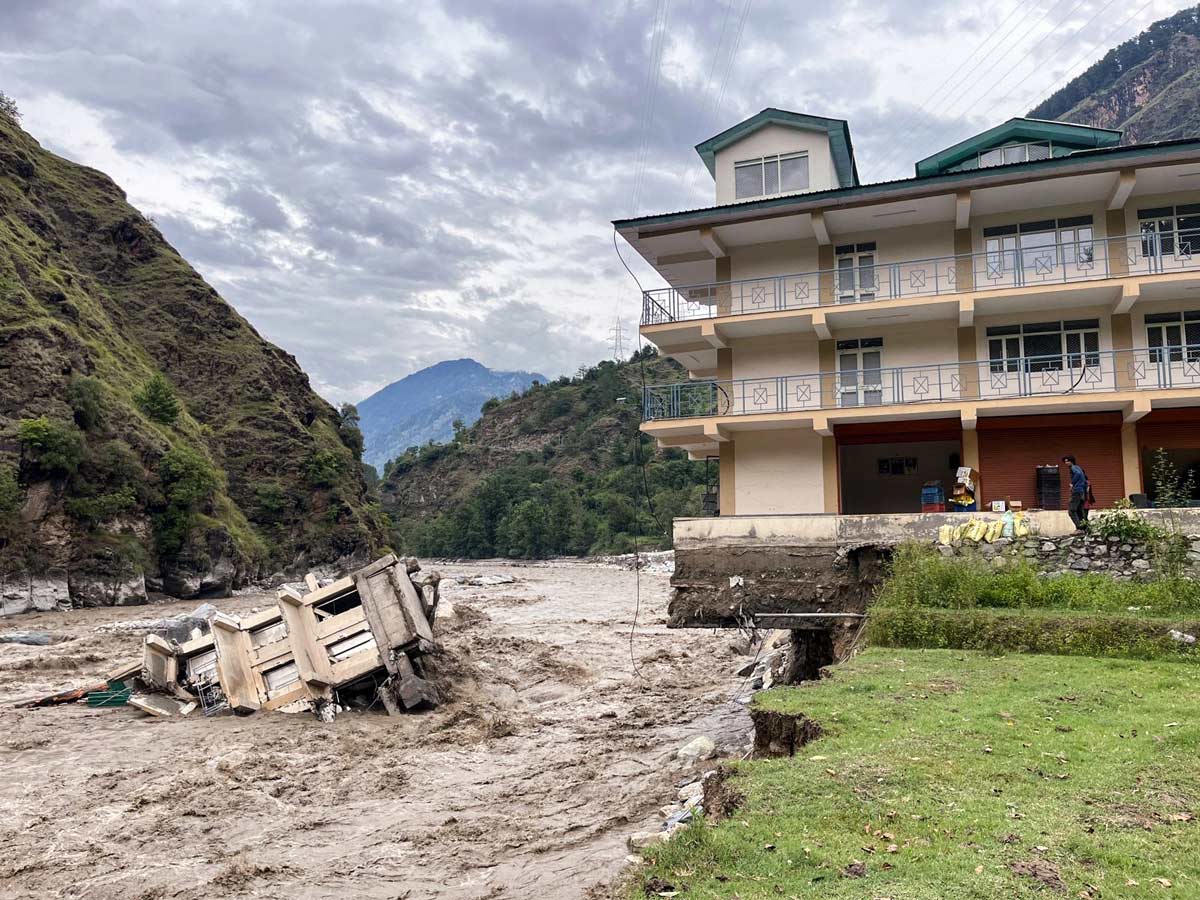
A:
767, 357
769, 260
779, 472
903, 244
911, 345
776, 139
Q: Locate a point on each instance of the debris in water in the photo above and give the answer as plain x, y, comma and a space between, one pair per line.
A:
359, 638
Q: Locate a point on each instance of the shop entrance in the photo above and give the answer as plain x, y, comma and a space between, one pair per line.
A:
888, 477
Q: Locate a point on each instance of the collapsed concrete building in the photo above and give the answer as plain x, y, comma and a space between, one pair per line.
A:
360, 638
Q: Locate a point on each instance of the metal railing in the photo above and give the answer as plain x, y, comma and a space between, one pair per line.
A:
1062, 263
978, 380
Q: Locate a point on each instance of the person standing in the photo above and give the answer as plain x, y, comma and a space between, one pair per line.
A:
1081, 494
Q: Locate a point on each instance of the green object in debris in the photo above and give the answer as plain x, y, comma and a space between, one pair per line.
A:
117, 694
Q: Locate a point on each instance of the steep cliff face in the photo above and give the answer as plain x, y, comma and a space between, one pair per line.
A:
147, 433
1148, 86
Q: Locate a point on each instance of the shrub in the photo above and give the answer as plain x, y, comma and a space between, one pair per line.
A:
1170, 488
103, 506
54, 447
157, 400
921, 578
86, 397
1121, 522
324, 468
10, 491
189, 483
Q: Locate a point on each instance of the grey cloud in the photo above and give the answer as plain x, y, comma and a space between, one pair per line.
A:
427, 181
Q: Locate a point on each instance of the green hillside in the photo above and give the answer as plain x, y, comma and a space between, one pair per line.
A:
145, 427
1148, 86
552, 471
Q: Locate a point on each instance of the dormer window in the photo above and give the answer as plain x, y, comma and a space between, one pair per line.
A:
770, 175
1014, 153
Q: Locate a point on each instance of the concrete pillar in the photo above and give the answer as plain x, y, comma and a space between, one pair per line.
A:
1122, 339
968, 370
826, 262
827, 366
1115, 246
970, 457
829, 467
964, 269
724, 293
728, 479
728, 491
1131, 459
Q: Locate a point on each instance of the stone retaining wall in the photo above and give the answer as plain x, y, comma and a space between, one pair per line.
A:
1076, 554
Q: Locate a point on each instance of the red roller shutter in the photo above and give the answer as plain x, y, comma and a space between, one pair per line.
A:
1011, 449
1171, 429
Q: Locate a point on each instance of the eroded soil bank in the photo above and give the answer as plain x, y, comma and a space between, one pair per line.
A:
549, 752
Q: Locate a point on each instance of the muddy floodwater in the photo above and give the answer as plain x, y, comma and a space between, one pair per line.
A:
549, 752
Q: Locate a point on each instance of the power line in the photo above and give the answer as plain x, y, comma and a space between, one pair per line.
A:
1012, 70
913, 117
964, 88
653, 78
1086, 55
689, 175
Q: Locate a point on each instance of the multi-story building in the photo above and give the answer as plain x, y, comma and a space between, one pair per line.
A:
1030, 292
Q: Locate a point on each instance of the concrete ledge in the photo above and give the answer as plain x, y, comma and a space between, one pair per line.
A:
831, 530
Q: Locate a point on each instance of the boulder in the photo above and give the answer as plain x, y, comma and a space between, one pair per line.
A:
696, 749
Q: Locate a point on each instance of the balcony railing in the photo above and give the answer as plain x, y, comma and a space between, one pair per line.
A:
1062, 263
980, 380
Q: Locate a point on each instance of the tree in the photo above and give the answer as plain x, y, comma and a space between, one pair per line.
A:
350, 429
157, 400
54, 448
8, 108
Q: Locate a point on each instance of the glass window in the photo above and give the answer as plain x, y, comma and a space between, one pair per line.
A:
1015, 153
748, 179
856, 272
991, 158
793, 173
770, 175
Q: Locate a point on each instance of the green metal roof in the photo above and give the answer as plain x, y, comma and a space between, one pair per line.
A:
818, 199
1064, 137
837, 129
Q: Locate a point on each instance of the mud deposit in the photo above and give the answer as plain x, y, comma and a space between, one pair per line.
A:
548, 753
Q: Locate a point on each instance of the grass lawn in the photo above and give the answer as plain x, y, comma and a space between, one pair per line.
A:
953, 774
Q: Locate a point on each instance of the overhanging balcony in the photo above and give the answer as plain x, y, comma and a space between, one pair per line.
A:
1065, 376
1150, 254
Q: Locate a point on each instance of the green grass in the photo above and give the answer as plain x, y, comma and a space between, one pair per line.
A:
1069, 632
922, 577
967, 764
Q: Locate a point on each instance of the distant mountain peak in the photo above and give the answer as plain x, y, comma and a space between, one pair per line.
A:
423, 406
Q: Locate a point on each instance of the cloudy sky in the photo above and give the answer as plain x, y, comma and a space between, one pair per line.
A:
381, 185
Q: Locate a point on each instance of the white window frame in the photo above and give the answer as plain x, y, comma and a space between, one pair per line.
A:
763, 162
1005, 150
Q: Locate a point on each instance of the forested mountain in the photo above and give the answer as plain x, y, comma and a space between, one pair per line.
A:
553, 471
424, 406
148, 435
1149, 85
